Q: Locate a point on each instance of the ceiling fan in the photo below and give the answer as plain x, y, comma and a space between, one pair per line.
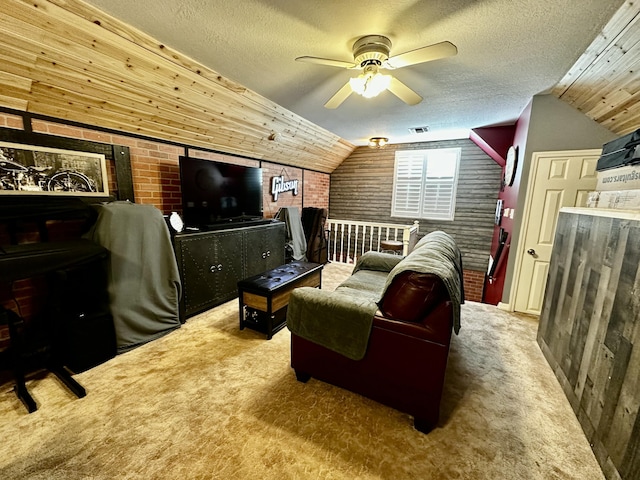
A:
371, 54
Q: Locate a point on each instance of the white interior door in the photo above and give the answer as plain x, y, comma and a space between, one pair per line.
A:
557, 179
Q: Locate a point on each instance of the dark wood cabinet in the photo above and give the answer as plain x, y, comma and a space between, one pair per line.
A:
212, 263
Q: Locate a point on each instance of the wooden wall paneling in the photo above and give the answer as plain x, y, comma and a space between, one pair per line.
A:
150, 45
84, 66
588, 332
604, 83
362, 189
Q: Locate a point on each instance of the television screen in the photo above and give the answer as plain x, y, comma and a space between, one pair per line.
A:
214, 192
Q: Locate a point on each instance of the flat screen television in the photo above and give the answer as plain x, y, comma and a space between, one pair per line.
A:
216, 192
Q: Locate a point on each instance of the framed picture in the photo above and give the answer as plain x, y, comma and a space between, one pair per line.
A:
26, 169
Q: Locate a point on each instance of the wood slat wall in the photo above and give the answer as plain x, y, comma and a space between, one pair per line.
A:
361, 189
588, 329
68, 60
604, 83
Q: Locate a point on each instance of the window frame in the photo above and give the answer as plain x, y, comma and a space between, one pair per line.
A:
422, 157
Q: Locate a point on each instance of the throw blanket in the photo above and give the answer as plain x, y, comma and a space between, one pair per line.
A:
340, 321
438, 254
381, 262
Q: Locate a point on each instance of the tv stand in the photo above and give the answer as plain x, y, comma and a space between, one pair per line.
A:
211, 262
235, 222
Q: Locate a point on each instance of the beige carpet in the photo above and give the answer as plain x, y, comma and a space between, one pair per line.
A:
211, 401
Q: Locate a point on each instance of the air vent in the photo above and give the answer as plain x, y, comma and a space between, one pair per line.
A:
419, 129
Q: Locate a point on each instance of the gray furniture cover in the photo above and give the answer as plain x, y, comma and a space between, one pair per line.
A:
295, 232
144, 282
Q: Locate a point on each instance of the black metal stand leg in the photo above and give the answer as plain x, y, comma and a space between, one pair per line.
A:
15, 324
23, 394
66, 378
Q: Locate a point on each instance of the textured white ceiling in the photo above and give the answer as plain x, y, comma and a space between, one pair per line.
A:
508, 51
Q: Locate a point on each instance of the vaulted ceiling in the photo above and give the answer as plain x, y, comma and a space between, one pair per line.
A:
223, 74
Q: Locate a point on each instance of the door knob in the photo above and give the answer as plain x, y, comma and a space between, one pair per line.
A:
532, 252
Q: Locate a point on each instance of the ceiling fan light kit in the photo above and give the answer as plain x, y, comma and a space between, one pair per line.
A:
371, 53
378, 142
370, 83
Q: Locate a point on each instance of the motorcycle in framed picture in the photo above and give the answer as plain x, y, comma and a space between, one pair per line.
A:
27, 169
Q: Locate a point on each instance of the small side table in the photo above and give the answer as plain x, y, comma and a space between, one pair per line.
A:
391, 246
263, 298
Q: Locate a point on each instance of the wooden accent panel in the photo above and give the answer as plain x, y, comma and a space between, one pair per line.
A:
588, 329
604, 83
281, 298
362, 187
259, 302
66, 59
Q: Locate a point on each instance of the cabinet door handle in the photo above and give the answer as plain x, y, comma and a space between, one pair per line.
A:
214, 268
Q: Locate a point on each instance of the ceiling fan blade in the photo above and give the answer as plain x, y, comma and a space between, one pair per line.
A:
326, 61
340, 96
421, 55
403, 92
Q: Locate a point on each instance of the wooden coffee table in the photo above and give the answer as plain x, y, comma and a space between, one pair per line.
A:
263, 298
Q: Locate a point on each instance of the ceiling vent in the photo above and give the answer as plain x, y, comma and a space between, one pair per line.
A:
419, 129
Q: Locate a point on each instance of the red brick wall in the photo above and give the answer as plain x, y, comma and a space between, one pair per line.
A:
156, 175
154, 165
316, 189
286, 199
473, 285
10, 121
156, 179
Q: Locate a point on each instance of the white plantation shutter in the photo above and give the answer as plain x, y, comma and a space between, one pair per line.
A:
425, 183
407, 189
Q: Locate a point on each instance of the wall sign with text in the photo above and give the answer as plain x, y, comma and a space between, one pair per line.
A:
280, 185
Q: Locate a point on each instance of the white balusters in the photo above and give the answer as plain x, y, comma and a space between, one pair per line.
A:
350, 239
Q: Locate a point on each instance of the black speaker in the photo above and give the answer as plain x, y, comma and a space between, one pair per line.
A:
85, 334
88, 340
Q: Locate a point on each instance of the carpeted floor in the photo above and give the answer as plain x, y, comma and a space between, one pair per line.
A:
211, 401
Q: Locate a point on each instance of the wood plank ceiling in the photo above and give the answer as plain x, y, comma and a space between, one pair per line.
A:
604, 83
66, 59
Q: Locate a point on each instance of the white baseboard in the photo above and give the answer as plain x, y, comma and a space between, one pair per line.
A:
505, 306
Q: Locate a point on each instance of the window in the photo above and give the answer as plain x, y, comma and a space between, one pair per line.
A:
424, 184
